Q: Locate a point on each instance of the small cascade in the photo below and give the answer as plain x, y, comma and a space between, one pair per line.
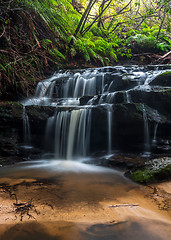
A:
44, 91
110, 85
45, 88
150, 77
26, 128
110, 98
128, 97
109, 121
101, 99
61, 133
146, 132
49, 131
82, 85
72, 133
92, 100
102, 84
79, 132
154, 141
74, 123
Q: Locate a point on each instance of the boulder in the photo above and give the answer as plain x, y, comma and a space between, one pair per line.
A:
164, 79
157, 99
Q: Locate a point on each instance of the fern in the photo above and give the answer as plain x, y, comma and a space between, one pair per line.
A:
52, 12
91, 53
56, 54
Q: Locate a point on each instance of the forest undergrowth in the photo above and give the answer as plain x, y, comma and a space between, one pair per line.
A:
38, 37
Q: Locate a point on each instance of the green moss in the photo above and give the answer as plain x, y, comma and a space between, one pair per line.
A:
142, 176
147, 176
166, 74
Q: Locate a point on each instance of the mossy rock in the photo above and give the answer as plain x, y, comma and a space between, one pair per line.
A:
145, 176
128, 112
163, 79
39, 113
10, 111
159, 100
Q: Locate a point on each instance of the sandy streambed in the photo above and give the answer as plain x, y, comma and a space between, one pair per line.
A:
72, 200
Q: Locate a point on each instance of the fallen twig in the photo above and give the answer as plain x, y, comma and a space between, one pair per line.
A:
124, 205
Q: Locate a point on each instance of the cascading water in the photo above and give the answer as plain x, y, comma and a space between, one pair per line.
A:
69, 130
61, 122
78, 135
128, 98
146, 132
26, 128
109, 120
154, 141
110, 97
72, 133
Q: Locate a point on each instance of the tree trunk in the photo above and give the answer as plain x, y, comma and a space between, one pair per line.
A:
84, 17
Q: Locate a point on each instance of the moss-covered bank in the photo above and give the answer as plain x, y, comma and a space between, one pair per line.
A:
155, 171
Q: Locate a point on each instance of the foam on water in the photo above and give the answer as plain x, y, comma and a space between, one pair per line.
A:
66, 166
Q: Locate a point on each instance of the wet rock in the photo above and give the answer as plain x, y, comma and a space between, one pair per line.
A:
119, 97
111, 98
118, 82
39, 113
163, 79
8, 160
11, 112
84, 100
159, 100
128, 113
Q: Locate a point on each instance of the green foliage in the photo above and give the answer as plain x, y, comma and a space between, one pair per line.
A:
96, 49
35, 36
142, 176
56, 54
148, 43
52, 12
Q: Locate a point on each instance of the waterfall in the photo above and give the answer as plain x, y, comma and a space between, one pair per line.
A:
79, 85
49, 131
26, 128
109, 121
44, 91
75, 94
154, 141
83, 134
102, 84
146, 131
109, 86
61, 133
72, 133
74, 123
110, 97
128, 97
